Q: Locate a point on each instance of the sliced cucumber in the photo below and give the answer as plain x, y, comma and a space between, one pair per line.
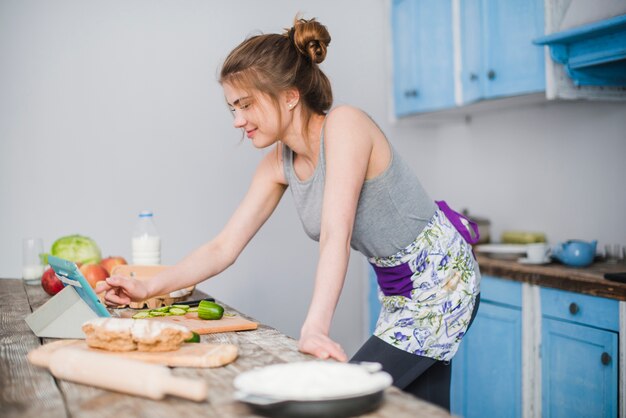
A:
141, 315
177, 311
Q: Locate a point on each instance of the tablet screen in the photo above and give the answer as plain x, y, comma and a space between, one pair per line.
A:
70, 275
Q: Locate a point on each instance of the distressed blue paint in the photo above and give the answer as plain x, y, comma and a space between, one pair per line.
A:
472, 41
497, 56
501, 291
590, 310
422, 55
487, 369
372, 298
486, 372
510, 27
496, 37
593, 54
575, 383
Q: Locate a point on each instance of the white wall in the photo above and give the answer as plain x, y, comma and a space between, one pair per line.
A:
558, 168
110, 107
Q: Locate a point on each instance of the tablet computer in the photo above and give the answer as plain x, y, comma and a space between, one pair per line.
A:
70, 275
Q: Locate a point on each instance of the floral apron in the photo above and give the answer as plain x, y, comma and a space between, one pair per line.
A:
428, 289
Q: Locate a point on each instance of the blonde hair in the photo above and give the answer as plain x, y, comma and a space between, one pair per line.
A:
272, 63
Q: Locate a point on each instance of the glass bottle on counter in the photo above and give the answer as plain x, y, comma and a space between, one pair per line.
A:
146, 243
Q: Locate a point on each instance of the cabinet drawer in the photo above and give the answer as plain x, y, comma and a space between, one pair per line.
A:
584, 309
501, 291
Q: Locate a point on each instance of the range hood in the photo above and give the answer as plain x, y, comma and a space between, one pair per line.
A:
593, 54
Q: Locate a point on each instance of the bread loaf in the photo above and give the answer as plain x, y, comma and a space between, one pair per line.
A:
124, 334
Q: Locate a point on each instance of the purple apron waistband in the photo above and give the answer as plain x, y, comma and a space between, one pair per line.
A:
396, 280
460, 222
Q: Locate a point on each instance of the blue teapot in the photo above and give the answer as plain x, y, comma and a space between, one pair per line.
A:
575, 252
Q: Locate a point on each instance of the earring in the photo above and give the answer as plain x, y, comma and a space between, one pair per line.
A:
290, 105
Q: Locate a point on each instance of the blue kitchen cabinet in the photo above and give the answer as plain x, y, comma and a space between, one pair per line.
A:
372, 299
422, 56
445, 56
487, 369
499, 58
579, 355
575, 354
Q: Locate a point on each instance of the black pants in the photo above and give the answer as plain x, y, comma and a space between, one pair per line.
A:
423, 377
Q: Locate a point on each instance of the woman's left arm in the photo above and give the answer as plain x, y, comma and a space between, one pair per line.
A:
348, 147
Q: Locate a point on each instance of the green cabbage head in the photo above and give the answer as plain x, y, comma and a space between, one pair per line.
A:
78, 249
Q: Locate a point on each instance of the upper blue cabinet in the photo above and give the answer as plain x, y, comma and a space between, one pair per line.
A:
497, 50
423, 55
448, 53
592, 54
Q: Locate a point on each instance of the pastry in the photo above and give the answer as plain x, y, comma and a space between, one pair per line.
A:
124, 334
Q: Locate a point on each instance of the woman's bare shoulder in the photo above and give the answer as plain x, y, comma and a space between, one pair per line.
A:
350, 120
346, 113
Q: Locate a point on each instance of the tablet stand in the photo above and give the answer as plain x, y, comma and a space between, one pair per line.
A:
62, 316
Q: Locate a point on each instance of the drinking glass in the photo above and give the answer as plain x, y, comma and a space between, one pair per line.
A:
32, 263
612, 253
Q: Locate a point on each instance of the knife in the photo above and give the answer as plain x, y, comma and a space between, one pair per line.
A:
616, 277
191, 303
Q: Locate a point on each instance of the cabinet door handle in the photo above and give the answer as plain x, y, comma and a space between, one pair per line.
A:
573, 308
491, 75
411, 93
473, 76
605, 358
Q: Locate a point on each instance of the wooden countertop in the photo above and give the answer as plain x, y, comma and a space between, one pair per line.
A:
30, 391
589, 280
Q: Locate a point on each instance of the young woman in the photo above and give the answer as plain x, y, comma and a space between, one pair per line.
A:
351, 190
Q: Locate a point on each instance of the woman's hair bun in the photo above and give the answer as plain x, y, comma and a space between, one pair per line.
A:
310, 38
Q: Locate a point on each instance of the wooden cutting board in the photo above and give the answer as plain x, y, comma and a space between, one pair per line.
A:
202, 326
203, 355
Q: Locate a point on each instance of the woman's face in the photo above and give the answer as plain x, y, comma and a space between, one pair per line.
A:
256, 114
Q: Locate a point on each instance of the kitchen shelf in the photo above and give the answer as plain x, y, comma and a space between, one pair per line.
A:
592, 54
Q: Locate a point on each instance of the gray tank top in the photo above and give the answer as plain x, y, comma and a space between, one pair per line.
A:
393, 207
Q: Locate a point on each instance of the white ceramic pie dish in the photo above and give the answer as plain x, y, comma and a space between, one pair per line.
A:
313, 388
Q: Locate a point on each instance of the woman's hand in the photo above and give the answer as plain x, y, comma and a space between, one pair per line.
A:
319, 345
121, 291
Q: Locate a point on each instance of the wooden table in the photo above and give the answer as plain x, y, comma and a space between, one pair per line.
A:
29, 391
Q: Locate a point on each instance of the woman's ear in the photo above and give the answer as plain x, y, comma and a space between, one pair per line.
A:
292, 97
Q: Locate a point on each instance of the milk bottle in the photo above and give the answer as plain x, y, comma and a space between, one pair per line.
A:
146, 244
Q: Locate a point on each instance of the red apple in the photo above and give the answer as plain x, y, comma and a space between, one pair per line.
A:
110, 262
93, 273
50, 282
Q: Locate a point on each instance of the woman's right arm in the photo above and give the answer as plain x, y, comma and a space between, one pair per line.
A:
215, 256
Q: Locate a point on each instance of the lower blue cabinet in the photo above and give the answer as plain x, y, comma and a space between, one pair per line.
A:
579, 355
487, 369
577, 352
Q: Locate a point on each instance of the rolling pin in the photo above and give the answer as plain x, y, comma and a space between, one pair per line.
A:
123, 375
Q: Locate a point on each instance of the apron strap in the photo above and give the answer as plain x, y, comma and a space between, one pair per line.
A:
460, 222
